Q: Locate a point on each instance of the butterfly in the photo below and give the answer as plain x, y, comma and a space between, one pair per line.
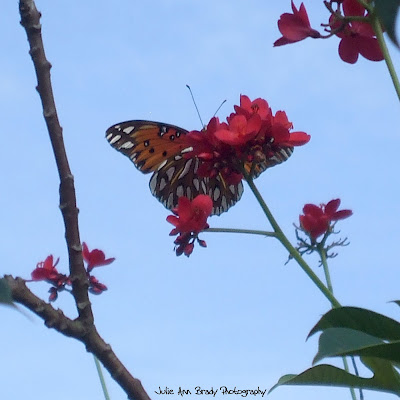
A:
160, 148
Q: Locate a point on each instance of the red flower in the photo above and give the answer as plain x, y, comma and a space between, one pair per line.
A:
190, 220
317, 220
281, 135
46, 270
239, 130
357, 37
192, 215
94, 258
248, 108
295, 27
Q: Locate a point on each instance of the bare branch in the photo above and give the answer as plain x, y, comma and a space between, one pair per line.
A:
30, 20
83, 327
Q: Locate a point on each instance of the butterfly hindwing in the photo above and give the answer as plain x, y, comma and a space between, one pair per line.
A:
279, 157
179, 178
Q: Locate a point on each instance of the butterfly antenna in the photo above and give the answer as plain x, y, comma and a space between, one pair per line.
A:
219, 107
194, 102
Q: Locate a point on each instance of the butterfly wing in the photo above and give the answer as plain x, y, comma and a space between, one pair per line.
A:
159, 148
178, 178
279, 157
147, 144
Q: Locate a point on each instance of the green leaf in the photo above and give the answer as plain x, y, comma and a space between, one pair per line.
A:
359, 319
387, 11
335, 342
347, 342
385, 377
5, 293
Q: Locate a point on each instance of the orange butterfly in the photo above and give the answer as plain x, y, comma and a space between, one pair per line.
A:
159, 148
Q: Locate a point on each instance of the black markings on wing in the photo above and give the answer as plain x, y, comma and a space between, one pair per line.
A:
179, 178
279, 157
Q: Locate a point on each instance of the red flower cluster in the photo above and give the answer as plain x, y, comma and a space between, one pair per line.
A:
252, 134
46, 271
189, 220
317, 220
357, 37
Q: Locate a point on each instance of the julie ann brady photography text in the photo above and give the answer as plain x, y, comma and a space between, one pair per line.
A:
210, 391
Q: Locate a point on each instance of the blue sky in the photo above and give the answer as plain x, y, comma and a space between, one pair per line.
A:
232, 314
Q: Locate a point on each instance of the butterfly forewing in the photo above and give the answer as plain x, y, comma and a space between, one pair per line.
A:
147, 143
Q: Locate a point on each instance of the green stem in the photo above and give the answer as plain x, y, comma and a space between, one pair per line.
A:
326, 291
248, 231
101, 377
376, 25
292, 251
324, 261
322, 254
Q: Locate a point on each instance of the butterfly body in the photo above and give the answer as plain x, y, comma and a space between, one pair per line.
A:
160, 148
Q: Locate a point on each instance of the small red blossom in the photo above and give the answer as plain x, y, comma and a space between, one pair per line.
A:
190, 218
281, 135
295, 27
191, 215
46, 270
357, 37
239, 130
316, 220
94, 258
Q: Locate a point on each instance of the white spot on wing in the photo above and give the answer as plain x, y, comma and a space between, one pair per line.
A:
128, 129
153, 182
115, 139
187, 150
185, 169
126, 145
196, 183
133, 156
217, 192
162, 164
180, 191
163, 183
170, 172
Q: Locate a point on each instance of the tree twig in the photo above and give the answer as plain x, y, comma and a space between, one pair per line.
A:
83, 327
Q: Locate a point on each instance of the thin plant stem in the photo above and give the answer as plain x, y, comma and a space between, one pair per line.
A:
246, 231
286, 243
101, 377
324, 262
328, 293
376, 25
